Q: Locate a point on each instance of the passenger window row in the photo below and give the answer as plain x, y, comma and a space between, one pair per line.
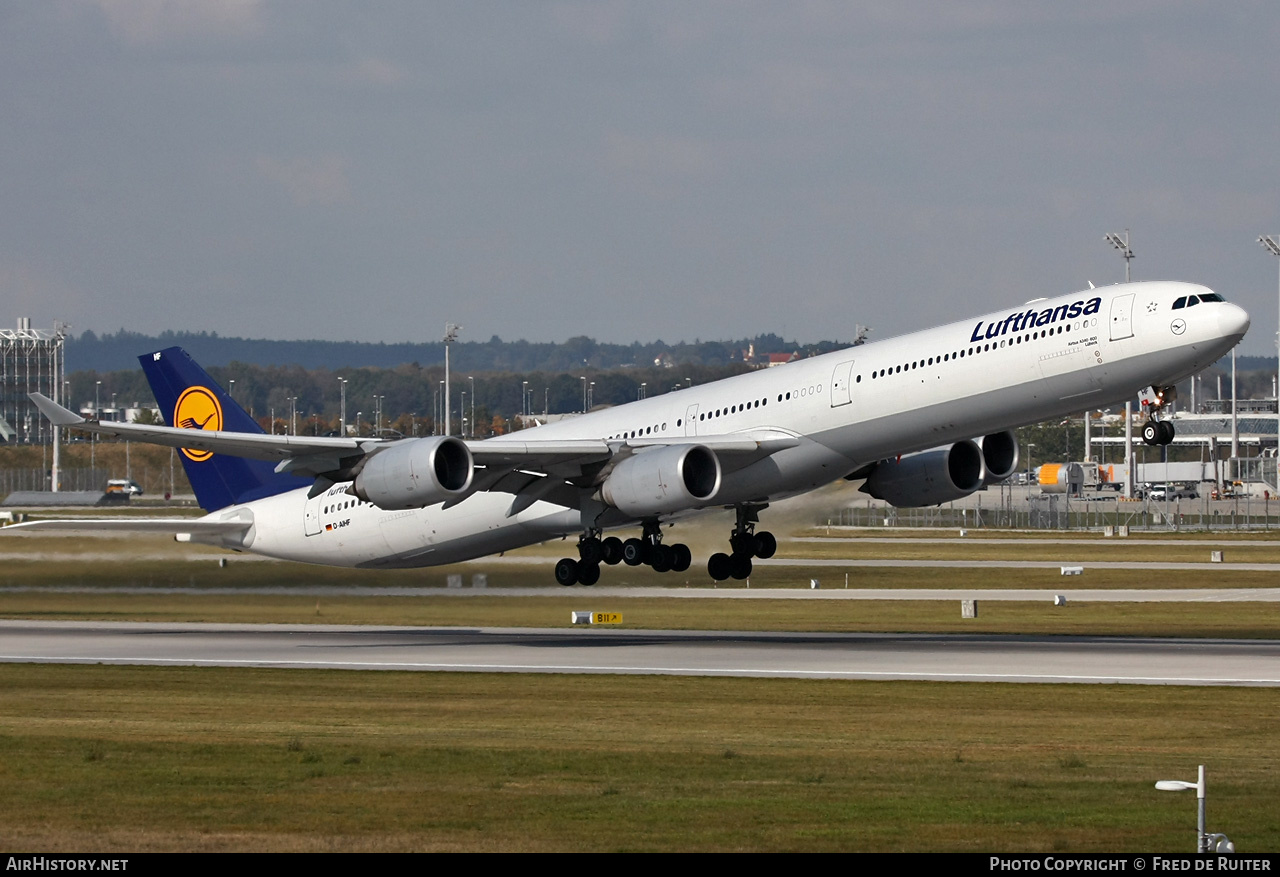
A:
971, 351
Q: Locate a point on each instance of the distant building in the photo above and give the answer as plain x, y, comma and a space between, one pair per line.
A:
774, 359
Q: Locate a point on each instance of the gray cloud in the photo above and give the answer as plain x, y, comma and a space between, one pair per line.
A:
624, 170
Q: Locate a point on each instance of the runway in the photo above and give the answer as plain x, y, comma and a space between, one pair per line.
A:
832, 590
954, 658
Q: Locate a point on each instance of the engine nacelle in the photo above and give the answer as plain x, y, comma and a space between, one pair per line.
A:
663, 480
999, 456
929, 477
415, 473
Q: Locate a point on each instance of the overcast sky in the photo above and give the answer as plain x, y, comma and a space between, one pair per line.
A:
629, 171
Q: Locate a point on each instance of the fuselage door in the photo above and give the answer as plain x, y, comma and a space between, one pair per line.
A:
691, 420
1122, 317
311, 515
840, 389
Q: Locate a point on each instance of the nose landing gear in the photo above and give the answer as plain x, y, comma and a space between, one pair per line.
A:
1155, 431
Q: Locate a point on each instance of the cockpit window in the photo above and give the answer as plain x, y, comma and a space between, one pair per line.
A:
1192, 300
1211, 296
1180, 303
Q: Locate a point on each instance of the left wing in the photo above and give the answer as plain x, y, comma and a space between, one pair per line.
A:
526, 468
328, 455
235, 444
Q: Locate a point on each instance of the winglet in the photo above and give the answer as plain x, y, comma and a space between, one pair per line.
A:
57, 415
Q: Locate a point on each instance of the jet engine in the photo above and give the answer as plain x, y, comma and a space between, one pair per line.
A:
415, 473
929, 477
663, 480
999, 456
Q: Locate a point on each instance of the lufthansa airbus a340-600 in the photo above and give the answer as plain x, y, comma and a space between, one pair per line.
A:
922, 419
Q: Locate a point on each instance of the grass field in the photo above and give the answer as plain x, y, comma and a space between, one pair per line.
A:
103, 758
132, 759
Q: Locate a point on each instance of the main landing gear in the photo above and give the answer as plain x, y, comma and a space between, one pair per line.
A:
745, 543
1154, 431
648, 549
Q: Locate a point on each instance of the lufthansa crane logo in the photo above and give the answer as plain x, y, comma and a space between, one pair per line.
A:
197, 408
1178, 327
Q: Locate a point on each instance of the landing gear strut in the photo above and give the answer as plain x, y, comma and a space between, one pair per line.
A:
1156, 431
745, 543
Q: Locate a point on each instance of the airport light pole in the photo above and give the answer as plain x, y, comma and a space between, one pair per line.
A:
473, 405
1205, 842
342, 408
1272, 244
1122, 244
583, 378
524, 399
97, 415
451, 331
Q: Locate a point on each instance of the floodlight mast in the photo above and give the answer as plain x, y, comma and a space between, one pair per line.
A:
451, 331
1122, 244
1271, 242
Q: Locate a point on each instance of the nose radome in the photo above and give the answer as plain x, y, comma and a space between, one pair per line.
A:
1233, 321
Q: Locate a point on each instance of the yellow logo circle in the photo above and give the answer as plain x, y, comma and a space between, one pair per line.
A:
197, 408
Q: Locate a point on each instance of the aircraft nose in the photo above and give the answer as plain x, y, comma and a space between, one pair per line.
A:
1233, 321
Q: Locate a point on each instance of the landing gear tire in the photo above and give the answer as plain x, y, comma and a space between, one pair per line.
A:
661, 558
590, 551
1157, 432
567, 571
611, 550
682, 557
588, 573
633, 552
740, 566
765, 545
719, 567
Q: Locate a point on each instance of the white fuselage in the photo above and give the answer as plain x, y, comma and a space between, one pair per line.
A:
1045, 359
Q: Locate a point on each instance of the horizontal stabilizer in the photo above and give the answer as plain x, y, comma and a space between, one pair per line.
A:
134, 525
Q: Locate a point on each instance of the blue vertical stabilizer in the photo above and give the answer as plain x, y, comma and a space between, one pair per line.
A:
189, 398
